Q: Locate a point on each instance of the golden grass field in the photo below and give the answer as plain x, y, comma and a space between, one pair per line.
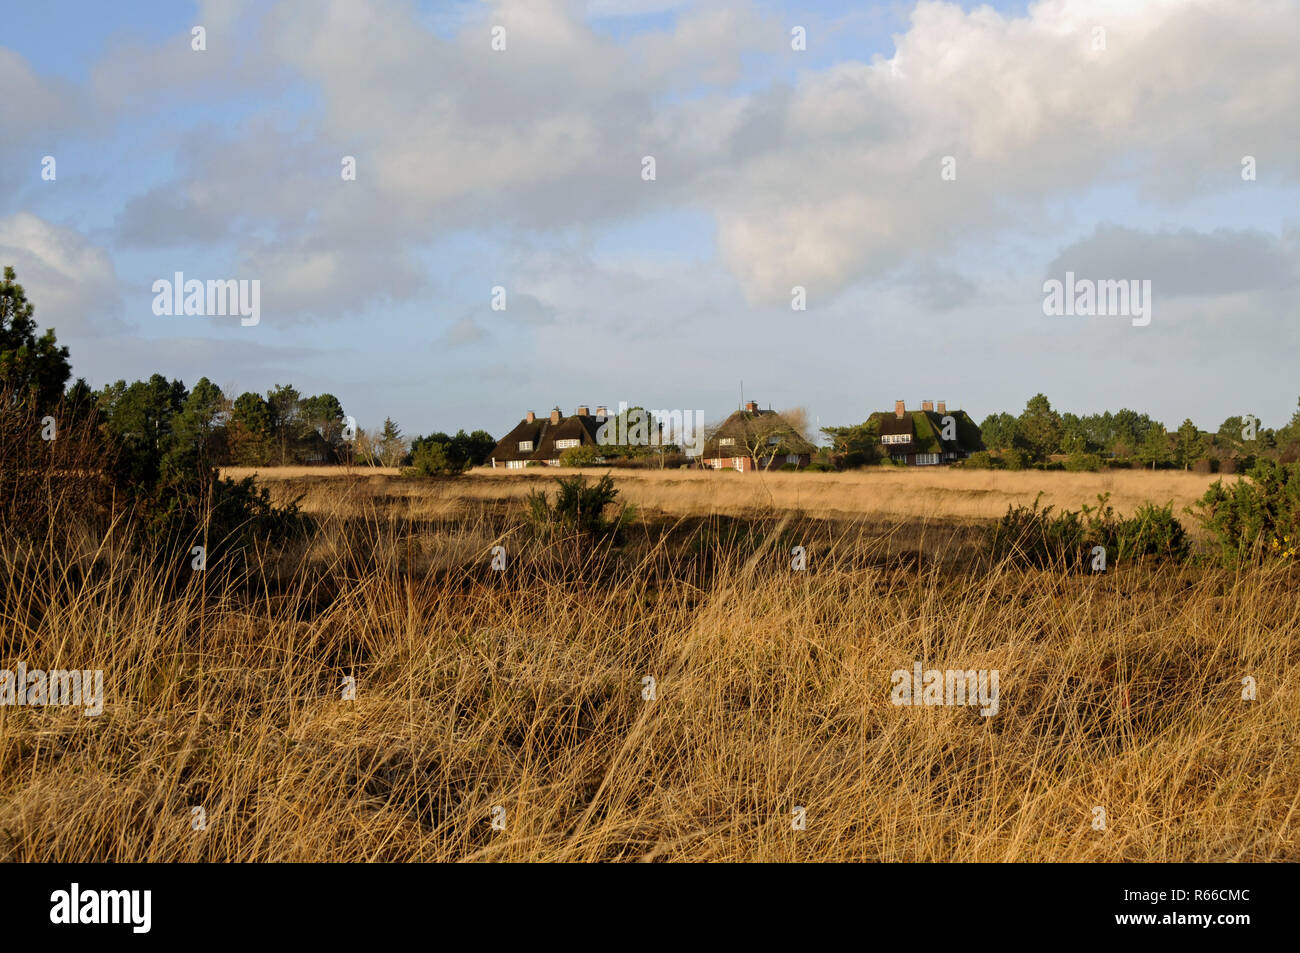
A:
522, 689
888, 493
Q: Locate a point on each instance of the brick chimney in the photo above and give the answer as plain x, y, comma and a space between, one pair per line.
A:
555, 416
602, 412
943, 407
752, 406
530, 417
582, 410
927, 405
899, 410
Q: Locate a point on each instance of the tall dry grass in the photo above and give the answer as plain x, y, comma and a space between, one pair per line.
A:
523, 689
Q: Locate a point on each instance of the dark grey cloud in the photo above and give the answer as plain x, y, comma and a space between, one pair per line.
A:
1184, 262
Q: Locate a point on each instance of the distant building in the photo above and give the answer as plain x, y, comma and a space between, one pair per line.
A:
756, 439
540, 441
926, 437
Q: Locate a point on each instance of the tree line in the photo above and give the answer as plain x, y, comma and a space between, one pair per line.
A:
1040, 436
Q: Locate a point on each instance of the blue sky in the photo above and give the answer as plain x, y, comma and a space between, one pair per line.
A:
774, 168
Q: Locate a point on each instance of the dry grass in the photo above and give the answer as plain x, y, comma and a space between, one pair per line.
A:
882, 493
523, 689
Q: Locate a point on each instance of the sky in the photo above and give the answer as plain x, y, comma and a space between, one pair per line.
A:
919, 170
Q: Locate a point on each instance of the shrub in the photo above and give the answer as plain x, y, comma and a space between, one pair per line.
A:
587, 456
579, 508
1258, 514
1015, 459
982, 460
1151, 531
1083, 462
431, 459
228, 516
1037, 537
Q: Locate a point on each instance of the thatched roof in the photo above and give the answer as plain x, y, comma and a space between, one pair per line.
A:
744, 426
543, 435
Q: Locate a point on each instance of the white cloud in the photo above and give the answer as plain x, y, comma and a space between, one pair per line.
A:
821, 183
70, 282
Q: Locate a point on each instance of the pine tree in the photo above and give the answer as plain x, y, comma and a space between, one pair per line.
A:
31, 368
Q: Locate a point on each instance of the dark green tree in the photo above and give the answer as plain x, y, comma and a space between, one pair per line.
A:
198, 431
248, 432
1039, 429
998, 431
323, 414
31, 368
282, 402
1155, 446
1189, 446
140, 417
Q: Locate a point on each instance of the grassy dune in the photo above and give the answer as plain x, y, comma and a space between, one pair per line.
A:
522, 689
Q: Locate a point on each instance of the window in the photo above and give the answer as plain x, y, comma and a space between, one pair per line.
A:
896, 438
792, 458
516, 464
726, 441
567, 443
926, 459
525, 446
773, 441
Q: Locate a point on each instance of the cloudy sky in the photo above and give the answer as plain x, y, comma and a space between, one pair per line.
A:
1103, 137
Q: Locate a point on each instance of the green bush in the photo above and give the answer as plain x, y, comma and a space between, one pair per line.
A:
1015, 459
1151, 531
587, 456
432, 458
229, 517
579, 508
982, 460
1257, 515
1083, 462
1038, 537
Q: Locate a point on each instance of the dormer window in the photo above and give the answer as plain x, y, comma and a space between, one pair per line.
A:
567, 443
726, 441
525, 446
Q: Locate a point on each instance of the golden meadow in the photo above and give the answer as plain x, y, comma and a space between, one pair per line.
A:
522, 689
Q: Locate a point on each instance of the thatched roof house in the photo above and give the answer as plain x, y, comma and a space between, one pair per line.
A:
541, 440
752, 438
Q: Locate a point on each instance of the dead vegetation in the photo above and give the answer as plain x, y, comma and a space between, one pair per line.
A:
523, 689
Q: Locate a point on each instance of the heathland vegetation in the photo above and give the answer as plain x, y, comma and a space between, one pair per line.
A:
372, 667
